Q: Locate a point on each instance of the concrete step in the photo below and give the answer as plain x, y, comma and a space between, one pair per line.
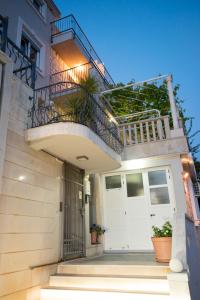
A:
76, 294
112, 283
120, 270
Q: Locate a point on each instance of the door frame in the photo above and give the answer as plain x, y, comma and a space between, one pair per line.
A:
146, 186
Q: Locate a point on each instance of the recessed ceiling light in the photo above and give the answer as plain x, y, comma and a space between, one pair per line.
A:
82, 158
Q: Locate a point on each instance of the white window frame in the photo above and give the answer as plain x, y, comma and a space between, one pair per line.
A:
30, 43
167, 184
23, 28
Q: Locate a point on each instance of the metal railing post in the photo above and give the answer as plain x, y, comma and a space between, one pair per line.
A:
33, 75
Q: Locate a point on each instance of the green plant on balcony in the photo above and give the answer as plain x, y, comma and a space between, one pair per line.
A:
90, 84
78, 106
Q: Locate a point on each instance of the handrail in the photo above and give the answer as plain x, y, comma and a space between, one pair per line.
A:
76, 72
79, 107
70, 69
70, 23
142, 113
144, 120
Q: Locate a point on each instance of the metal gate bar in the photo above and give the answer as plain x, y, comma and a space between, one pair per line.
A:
74, 245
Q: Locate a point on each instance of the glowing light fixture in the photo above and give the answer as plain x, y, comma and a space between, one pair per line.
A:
21, 178
82, 158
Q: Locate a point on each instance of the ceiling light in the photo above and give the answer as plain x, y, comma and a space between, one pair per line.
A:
82, 158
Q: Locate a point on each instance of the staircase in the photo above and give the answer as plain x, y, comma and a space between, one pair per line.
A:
107, 282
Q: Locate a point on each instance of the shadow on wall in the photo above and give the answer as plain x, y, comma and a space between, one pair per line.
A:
193, 258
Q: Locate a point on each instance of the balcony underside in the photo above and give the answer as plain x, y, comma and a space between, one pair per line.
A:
68, 141
69, 49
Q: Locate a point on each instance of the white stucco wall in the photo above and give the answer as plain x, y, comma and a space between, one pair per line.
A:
29, 202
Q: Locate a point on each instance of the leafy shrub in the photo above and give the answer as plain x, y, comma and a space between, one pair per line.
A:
165, 231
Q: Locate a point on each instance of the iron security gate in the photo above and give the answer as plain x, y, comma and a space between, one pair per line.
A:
73, 213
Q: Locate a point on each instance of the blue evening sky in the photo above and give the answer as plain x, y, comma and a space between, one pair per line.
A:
139, 39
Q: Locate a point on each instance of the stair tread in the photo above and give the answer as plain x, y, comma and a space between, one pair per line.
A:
103, 290
67, 264
109, 276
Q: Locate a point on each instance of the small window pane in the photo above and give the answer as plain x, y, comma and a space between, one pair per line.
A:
113, 182
24, 45
157, 177
134, 184
159, 195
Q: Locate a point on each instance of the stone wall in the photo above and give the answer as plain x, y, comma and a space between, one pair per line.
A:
29, 205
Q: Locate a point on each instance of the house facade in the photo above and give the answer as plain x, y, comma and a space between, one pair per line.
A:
63, 169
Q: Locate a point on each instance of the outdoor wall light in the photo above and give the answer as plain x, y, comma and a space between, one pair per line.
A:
82, 158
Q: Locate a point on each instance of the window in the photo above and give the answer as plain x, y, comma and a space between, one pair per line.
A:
24, 45
159, 195
113, 182
134, 183
157, 177
30, 49
39, 5
158, 187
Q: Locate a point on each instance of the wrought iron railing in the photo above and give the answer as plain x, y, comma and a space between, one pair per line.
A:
24, 68
69, 102
77, 73
69, 23
73, 74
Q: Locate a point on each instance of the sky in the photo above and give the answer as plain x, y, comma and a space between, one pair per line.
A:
139, 39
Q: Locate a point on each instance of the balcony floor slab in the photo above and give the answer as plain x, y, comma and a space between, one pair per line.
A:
69, 140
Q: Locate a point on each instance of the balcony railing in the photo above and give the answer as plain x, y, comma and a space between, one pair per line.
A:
69, 23
24, 68
144, 131
69, 102
77, 73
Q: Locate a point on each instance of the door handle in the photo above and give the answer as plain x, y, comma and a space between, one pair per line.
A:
152, 215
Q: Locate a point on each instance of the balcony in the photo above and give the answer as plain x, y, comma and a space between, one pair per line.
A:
150, 137
80, 72
72, 45
67, 122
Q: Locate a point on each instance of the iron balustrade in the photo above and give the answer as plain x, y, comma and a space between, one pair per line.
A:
77, 73
73, 74
24, 68
69, 102
69, 23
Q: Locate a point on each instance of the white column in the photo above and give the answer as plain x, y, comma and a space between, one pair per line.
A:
172, 102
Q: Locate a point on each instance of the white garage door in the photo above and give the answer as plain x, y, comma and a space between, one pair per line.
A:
133, 202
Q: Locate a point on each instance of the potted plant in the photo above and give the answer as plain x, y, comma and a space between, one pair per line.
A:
162, 242
96, 231
93, 233
100, 231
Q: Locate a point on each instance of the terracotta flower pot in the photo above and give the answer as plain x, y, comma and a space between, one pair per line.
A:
163, 248
93, 237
